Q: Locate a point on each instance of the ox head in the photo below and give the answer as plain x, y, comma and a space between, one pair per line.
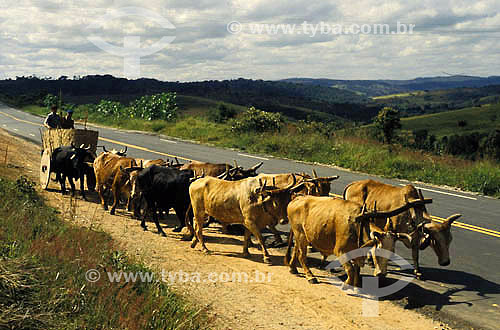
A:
385, 239
382, 240
121, 152
418, 213
131, 174
278, 198
438, 236
82, 159
317, 186
238, 173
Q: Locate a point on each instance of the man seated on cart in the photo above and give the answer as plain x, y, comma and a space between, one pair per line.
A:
53, 120
68, 122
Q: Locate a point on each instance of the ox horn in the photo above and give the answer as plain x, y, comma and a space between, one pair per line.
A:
235, 163
123, 151
104, 148
451, 219
402, 236
82, 145
315, 175
256, 166
177, 161
331, 178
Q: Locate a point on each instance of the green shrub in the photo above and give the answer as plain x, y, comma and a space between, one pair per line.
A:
221, 114
259, 121
151, 107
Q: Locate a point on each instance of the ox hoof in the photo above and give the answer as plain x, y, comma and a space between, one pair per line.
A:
267, 260
312, 280
246, 255
193, 243
418, 275
162, 234
112, 212
294, 271
207, 252
145, 228
187, 238
177, 229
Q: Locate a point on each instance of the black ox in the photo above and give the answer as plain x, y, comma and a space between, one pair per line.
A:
73, 163
164, 188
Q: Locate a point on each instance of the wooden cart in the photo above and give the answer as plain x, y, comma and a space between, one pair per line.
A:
53, 138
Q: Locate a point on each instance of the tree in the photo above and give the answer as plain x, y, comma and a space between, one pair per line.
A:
387, 122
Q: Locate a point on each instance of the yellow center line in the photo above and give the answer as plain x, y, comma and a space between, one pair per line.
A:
458, 224
438, 219
143, 149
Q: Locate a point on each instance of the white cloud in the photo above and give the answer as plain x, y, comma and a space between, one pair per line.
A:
50, 38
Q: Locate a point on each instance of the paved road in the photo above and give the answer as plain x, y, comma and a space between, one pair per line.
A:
469, 288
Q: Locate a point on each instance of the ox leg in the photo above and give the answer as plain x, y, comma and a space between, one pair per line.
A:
116, 199
181, 215
256, 232
301, 244
351, 275
357, 275
277, 236
100, 191
72, 185
62, 181
293, 259
82, 187
414, 254
246, 254
198, 233
157, 223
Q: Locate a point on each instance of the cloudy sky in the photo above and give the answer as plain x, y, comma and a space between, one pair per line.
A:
80, 37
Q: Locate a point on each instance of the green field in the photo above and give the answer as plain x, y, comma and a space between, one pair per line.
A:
478, 119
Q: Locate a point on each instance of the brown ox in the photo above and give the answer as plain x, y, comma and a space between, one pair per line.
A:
336, 226
416, 221
317, 186
244, 202
215, 170
108, 176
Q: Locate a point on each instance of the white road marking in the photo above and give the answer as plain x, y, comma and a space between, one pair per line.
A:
15, 129
32, 134
262, 158
444, 193
168, 141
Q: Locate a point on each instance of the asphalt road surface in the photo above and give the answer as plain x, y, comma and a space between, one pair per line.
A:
467, 290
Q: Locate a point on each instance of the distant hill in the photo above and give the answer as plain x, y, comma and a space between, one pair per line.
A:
296, 101
460, 122
371, 88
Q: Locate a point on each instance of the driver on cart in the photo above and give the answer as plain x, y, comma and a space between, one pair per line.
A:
53, 120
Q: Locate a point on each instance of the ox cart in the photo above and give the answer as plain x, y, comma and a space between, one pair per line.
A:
54, 138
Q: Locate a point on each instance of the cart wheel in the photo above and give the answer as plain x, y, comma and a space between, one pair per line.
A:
45, 169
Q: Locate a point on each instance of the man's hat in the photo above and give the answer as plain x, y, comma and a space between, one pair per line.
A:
53, 107
69, 111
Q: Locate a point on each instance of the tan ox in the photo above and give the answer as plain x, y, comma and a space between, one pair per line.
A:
319, 186
336, 226
244, 202
216, 170
416, 221
108, 176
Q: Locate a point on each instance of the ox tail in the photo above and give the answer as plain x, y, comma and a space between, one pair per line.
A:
345, 190
289, 248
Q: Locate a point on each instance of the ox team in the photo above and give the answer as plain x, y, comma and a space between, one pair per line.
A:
371, 214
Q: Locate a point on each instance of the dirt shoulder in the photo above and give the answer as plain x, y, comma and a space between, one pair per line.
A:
272, 298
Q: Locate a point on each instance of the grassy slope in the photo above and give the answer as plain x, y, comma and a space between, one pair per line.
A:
479, 119
43, 262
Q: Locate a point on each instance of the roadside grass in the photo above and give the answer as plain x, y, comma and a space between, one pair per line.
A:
345, 149
43, 261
